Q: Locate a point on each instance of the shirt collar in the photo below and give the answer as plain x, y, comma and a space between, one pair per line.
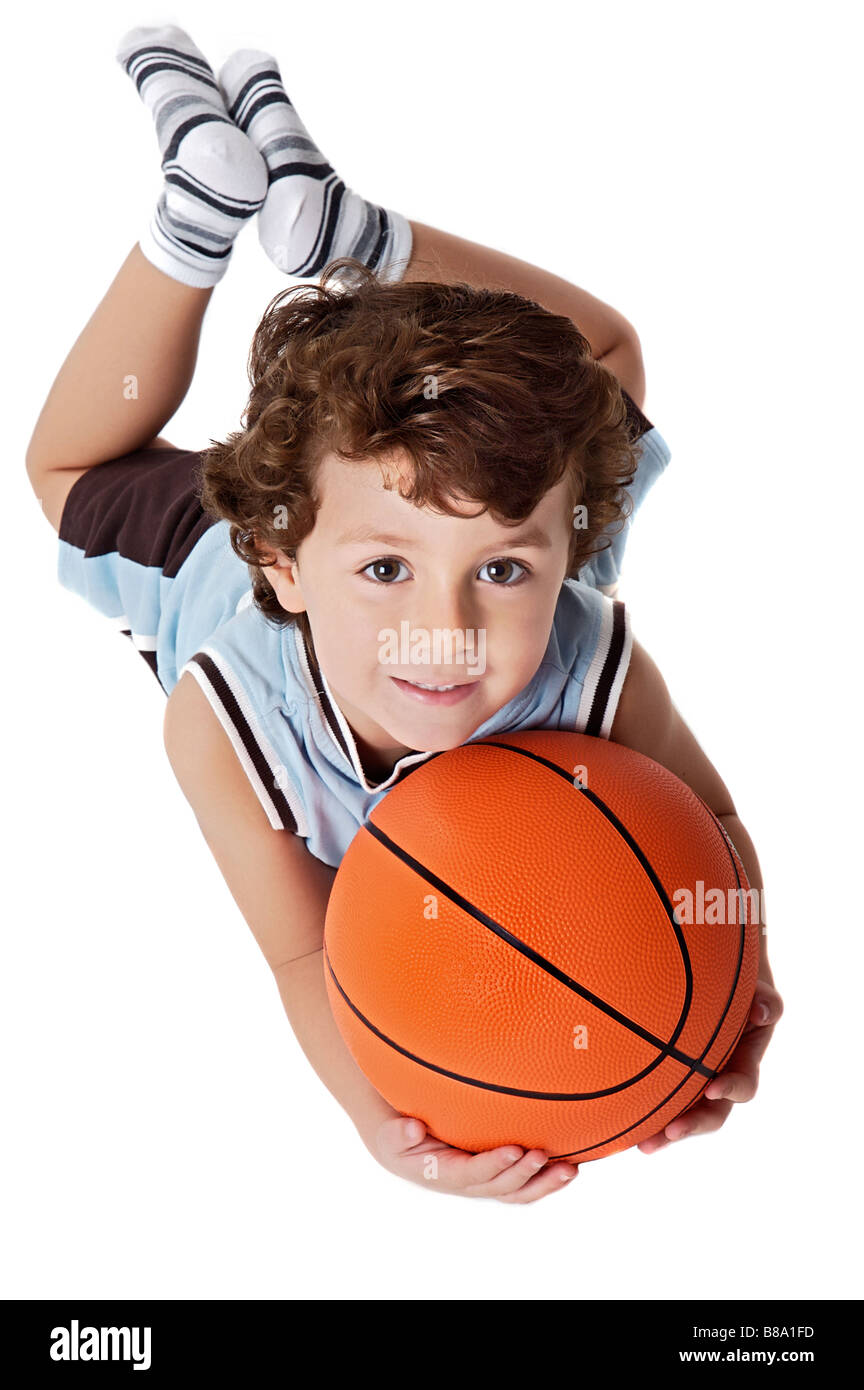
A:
336, 725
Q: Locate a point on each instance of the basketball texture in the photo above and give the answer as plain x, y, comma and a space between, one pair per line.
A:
505, 954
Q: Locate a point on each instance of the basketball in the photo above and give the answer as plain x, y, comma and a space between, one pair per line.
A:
541, 938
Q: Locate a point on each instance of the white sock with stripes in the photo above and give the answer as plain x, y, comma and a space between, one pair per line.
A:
215, 179
309, 217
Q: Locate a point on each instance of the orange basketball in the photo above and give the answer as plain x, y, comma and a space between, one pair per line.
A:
513, 950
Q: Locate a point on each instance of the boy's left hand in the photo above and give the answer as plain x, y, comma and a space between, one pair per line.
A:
738, 1080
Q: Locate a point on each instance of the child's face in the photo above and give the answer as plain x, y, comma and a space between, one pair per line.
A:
439, 577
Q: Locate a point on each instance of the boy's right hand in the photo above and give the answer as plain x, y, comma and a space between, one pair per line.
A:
404, 1146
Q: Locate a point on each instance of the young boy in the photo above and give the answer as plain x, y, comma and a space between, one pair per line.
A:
414, 418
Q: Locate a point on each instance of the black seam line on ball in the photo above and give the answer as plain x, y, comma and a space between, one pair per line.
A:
477, 913
742, 937
730, 850
667, 1047
637, 1124
642, 858
491, 1085
610, 1139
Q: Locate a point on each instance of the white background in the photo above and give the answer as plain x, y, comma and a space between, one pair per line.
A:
696, 167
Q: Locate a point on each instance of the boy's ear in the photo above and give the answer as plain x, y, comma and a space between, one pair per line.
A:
284, 578
284, 561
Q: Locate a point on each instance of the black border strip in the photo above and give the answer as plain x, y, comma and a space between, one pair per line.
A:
324, 700
594, 723
238, 719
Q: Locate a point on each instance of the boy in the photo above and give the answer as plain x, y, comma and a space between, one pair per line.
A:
430, 424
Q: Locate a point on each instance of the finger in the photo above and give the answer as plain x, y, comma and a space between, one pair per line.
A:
739, 1079
734, 1086
511, 1178
767, 1006
533, 1166
480, 1169
400, 1134
698, 1119
702, 1119
657, 1141
751, 1049
651, 1146
741, 1072
553, 1177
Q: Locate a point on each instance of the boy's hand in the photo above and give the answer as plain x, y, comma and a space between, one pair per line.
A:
405, 1147
736, 1083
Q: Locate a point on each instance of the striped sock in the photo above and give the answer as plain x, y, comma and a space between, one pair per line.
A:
215, 179
309, 217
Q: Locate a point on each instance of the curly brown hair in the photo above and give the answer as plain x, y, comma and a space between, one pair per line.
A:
492, 397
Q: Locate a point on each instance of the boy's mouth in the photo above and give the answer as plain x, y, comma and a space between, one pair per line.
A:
451, 695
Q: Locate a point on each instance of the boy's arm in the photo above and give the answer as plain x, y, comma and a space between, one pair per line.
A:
647, 721
281, 889
613, 340
123, 379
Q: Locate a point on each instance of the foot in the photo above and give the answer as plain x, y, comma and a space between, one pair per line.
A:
309, 217
215, 179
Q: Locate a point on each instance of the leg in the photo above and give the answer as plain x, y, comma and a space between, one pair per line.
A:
146, 327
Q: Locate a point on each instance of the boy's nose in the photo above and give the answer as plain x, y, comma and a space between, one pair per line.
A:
444, 613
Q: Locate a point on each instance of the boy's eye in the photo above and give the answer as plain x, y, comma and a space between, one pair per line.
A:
502, 564
497, 565
381, 565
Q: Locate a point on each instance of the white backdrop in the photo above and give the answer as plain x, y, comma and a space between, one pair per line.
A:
699, 169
